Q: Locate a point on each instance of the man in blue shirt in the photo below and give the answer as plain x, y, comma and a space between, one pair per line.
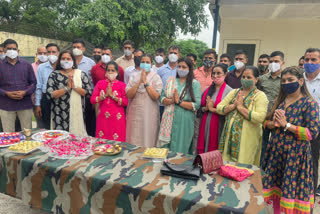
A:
169, 69
43, 107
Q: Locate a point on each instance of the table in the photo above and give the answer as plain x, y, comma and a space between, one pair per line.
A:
124, 183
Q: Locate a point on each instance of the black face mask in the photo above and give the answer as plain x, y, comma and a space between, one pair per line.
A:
137, 61
96, 58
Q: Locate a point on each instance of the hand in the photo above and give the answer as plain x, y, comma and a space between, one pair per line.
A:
280, 117
69, 83
15, 95
102, 95
143, 78
239, 99
38, 112
109, 90
209, 103
21, 93
176, 96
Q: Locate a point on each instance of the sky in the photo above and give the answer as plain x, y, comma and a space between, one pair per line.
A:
206, 34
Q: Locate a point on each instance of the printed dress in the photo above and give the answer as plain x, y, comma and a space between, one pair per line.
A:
111, 119
288, 161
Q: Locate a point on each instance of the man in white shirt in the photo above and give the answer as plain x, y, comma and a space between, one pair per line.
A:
159, 58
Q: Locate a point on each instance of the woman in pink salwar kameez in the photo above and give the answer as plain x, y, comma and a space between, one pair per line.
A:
110, 94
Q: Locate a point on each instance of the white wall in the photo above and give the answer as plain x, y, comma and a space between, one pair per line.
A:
292, 37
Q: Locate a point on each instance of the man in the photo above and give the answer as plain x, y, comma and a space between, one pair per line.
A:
203, 74
99, 70
17, 84
169, 69
41, 58
159, 58
270, 84
233, 78
85, 64
312, 78
96, 54
193, 58
127, 59
2, 55
136, 68
263, 64
225, 59
43, 107
301, 62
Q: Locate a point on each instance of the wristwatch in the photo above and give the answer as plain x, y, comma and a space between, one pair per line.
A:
65, 89
75, 87
146, 85
288, 125
179, 103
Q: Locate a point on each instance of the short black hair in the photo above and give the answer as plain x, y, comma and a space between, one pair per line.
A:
160, 50
255, 70
277, 53
174, 47
9, 42
211, 51
303, 57
147, 55
128, 42
1, 45
262, 56
311, 50
53, 45
238, 52
137, 50
225, 55
79, 40
194, 56
98, 47
107, 48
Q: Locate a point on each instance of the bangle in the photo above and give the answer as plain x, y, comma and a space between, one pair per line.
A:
146, 85
179, 103
65, 89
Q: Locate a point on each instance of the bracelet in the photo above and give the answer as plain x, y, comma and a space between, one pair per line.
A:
179, 103
65, 89
146, 85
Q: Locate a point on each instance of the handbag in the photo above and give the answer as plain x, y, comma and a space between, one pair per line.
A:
181, 171
209, 161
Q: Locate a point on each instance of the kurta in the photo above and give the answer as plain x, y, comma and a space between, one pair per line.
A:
183, 120
143, 116
111, 119
288, 162
241, 138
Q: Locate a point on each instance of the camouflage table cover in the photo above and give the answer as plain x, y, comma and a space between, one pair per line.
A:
124, 183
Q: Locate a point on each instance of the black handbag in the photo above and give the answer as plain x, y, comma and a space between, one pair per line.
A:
181, 171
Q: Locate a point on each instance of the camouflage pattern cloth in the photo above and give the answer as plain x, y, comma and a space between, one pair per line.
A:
124, 183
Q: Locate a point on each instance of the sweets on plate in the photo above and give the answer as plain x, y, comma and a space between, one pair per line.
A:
107, 149
25, 146
7, 139
48, 135
155, 153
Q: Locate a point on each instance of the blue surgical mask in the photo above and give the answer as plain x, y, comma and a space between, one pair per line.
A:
311, 68
290, 88
145, 66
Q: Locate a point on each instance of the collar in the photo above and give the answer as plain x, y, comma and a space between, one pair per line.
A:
168, 66
82, 60
270, 76
6, 60
101, 65
317, 77
124, 57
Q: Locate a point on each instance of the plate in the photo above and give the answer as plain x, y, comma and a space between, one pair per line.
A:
7, 145
104, 151
23, 153
33, 147
41, 136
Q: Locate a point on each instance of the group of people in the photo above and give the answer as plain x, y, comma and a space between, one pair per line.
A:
266, 115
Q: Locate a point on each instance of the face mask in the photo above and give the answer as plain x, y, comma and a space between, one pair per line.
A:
262, 68
105, 58
208, 63
218, 81
52, 58
290, 88
173, 58
42, 58
77, 52
311, 68
182, 73
246, 83
145, 66
12, 54
127, 52
66, 64
112, 76
159, 59
274, 67
137, 61
97, 58
2, 56
231, 68
238, 65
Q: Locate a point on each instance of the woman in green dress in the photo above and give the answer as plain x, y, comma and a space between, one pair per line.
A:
181, 98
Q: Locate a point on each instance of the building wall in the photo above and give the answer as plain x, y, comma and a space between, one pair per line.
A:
292, 37
28, 44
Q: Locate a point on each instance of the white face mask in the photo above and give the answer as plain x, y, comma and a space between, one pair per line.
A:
182, 73
2, 56
12, 54
105, 58
159, 59
77, 52
42, 58
52, 58
112, 76
173, 57
66, 64
274, 67
238, 64
127, 52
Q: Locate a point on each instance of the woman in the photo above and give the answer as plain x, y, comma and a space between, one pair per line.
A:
110, 94
143, 117
294, 122
212, 123
181, 98
67, 87
245, 110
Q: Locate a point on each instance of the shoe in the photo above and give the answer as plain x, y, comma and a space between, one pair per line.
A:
318, 191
